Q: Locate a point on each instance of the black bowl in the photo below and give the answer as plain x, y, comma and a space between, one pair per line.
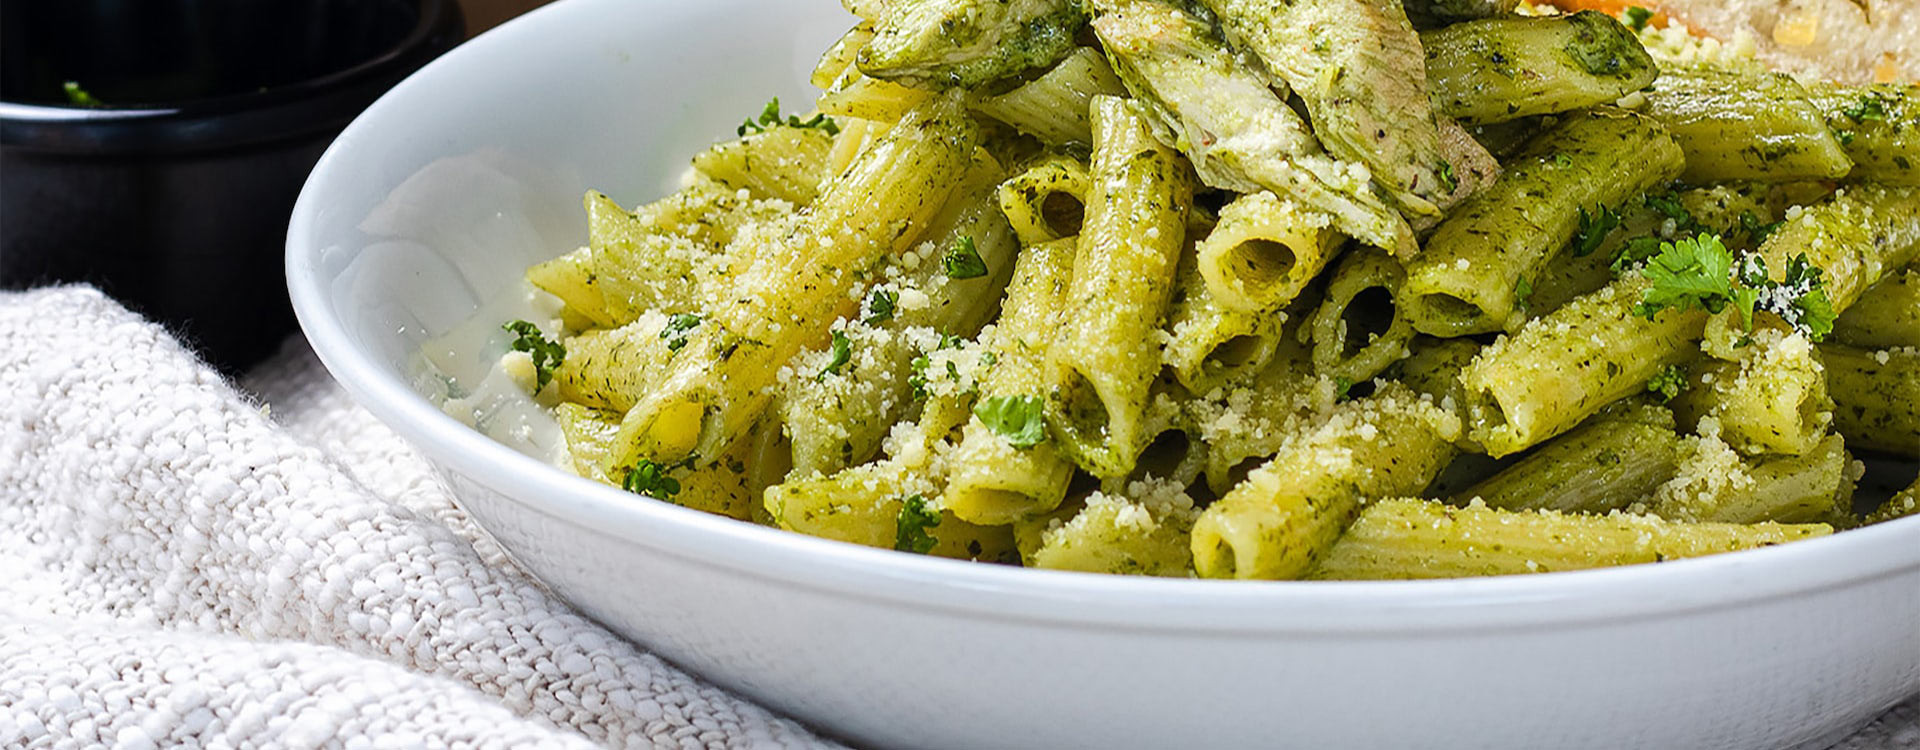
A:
173, 192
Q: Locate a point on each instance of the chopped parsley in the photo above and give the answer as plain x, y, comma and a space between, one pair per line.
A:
1343, 387
79, 97
676, 330
1637, 17
1447, 180
910, 529
1635, 252
917, 380
1020, 420
1522, 291
1699, 272
1562, 160
842, 354
770, 117
879, 306
1868, 108
963, 261
1756, 231
546, 354
1594, 229
1668, 382
1668, 204
650, 479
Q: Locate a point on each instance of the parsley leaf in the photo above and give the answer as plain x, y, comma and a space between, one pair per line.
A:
1637, 17
1669, 205
842, 354
1756, 231
650, 479
1635, 252
1447, 180
676, 330
1668, 382
1018, 419
1522, 290
879, 306
770, 117
1868, 108
1343, 387
1594, 229
546, 354
1562, 161
963, 261
910, 529
1802, 300
1688, 273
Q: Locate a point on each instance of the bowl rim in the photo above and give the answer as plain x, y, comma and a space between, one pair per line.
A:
291, 110
1253, 608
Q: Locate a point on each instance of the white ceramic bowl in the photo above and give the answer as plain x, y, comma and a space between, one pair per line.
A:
433, 202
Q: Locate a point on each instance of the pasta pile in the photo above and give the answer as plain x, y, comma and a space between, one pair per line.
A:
1238, 289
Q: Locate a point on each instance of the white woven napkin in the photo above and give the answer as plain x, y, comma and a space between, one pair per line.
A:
182, 564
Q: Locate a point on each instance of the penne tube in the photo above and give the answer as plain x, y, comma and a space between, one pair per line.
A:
937, 44
1876, 397
1878, 126
1241, 425
1712, 486
989, 479
1774, 400
1047, 202
1608, 463
1358, 331
1288, 512
1144, 531
611, 368
787, 298
1106, 357
1736, 126
1501, 69
1886, 316
1212, 345
1470, 276
1056, 107
783, 162
1559, 369
1397, 539
571, 278
1264, 251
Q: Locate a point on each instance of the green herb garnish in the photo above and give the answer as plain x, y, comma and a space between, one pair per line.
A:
1637, 17
1522, 291
1447, 180
546, 354
1020, 420
910, 529
79, 97
676, 330
650, 479
1668, 382
842, 354
1868, 108
1593, 230
963, 261
770, 117
1699, 273
879, 306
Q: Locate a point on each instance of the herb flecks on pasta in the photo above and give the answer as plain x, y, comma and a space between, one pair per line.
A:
1241, 289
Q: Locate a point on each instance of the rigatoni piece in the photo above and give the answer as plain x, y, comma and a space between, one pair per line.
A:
1358, 66
1774, 400
1055, 107
1264, 250
786, 300
1608, 463
989, 479
1145, 531
782, 162
1746, 127
1501, 69
1106, 357
1878, 125
1048, 201
1876, 397
1713, 485
1398, 539
1359, 330
1469, 277
1287, 513
1560, 369
1887, 315
1241, 135
967, 43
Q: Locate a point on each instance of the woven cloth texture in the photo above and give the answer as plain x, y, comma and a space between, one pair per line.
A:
189, 562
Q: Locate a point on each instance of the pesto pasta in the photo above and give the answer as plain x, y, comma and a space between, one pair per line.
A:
1325, 289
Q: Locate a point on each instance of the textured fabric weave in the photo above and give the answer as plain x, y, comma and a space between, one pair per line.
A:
186, 563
